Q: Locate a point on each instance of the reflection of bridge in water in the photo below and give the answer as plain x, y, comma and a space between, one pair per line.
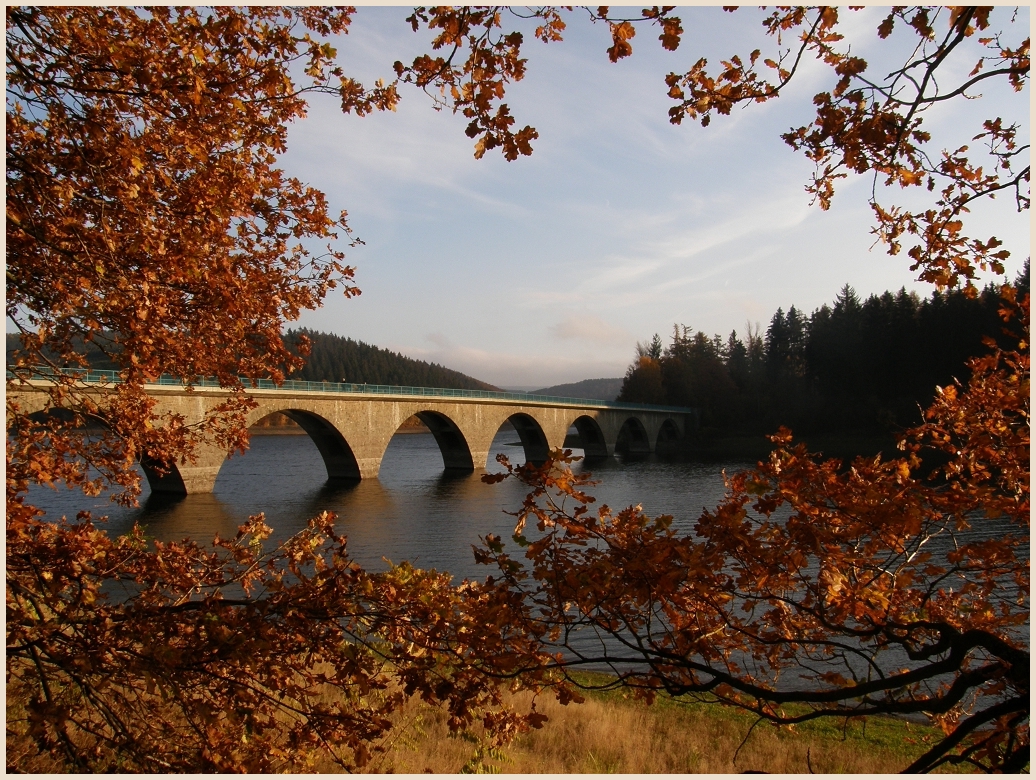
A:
352, 425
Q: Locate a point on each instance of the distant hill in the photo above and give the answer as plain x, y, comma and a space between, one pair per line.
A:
598, 389
96, 358
339, 359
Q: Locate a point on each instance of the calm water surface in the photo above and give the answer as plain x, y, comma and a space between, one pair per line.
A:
413, 511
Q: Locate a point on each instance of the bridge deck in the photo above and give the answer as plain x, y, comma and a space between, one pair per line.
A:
402, 392
352, 424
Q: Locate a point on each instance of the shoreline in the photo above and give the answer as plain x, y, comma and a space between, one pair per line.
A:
705, 450
844, 447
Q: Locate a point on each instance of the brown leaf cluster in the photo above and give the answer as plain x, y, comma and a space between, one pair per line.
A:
130, 656
480, 57
873, 125
813, 590
146, 215
476, 86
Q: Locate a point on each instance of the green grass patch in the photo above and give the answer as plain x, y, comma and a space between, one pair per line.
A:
900, 737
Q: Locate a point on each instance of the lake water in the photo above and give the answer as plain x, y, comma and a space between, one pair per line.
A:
413, 511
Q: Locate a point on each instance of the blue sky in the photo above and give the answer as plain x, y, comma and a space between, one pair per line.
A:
549, 269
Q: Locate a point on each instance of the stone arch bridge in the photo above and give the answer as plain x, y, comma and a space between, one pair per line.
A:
352, 425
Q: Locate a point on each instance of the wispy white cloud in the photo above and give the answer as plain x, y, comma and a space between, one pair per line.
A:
378, 158
509, 368
549, 269
686, 249
589, 328
440, 341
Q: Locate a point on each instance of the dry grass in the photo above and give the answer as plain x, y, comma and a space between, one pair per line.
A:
611, 734
607, 734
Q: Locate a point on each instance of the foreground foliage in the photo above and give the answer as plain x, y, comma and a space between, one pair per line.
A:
876, 589
133, 656
146, 217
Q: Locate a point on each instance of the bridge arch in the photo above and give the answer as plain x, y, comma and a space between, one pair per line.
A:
532, 437
185, 478
338, 456
669, 436
633, 437
62, 416
161, 478
456, 453
595, 446
200, 476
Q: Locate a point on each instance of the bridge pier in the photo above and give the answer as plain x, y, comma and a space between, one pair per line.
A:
186, 478
595, 442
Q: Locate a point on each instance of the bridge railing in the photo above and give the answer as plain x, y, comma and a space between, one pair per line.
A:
101, 376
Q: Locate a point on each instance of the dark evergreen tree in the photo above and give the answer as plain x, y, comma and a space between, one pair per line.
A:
735, 354
1022, 280
854, 367
643, 382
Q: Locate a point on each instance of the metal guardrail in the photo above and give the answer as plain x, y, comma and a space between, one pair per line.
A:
99, 376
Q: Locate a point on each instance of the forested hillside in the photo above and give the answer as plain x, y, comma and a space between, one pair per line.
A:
94, 355
339, 359
601, 389
854, 367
